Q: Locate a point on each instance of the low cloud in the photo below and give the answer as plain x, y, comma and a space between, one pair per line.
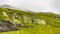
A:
35, 5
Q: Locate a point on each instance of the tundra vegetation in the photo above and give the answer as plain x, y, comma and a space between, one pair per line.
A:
22, 22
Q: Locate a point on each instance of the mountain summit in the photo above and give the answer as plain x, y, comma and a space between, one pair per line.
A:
7, 6
12, 7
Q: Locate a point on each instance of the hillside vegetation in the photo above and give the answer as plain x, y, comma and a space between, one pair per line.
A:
22, 22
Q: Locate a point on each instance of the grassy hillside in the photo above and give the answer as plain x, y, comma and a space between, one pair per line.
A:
30, 23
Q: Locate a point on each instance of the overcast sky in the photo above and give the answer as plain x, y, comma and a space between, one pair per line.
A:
35, 5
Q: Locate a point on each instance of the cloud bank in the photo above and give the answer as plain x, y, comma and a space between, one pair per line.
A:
35, 5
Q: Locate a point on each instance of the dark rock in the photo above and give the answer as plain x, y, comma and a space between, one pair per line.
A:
19, 25
7, 26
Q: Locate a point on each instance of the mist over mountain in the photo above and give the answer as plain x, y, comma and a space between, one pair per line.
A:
7, 6
16, 8
29, 16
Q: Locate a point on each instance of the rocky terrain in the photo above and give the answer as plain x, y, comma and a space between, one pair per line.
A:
12, 20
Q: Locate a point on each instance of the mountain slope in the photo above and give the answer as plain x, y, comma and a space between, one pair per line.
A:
22, 20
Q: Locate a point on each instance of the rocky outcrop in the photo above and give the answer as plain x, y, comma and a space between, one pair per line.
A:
6, 26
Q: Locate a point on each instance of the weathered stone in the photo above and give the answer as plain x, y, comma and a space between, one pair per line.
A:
6, 26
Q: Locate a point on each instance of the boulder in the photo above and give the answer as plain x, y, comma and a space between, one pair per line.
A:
7, 26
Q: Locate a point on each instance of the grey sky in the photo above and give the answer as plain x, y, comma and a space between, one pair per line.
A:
35, 5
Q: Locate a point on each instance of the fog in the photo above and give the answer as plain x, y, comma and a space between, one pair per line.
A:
35, 5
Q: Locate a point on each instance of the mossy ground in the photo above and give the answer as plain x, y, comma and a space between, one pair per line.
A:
35, 30
53, 26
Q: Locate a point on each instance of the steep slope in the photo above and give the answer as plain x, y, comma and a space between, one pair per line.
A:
18, 19
18, 16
